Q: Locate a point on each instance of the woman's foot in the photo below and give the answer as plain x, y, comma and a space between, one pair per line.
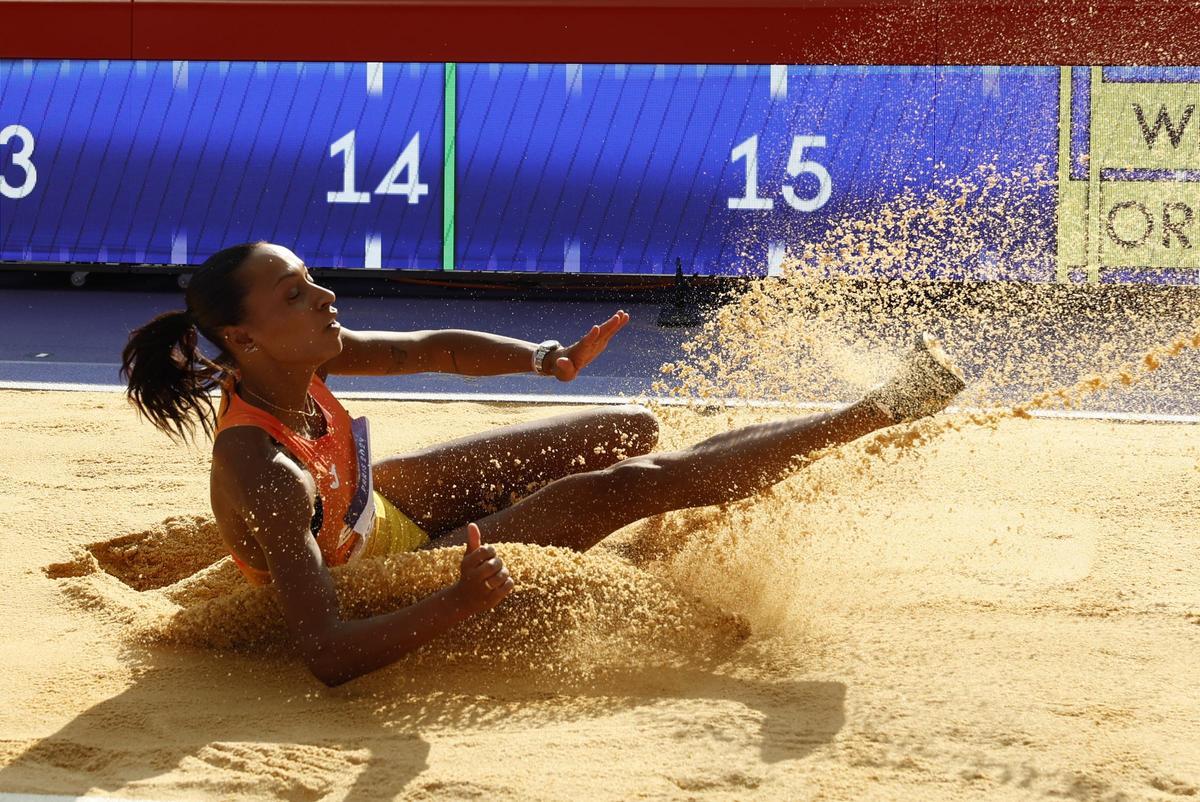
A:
925, 383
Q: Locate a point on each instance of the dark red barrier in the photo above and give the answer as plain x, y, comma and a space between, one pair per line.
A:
670, 31
97, 29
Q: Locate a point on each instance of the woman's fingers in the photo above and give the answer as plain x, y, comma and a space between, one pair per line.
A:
497, 595
485, 570
476, 558
611, 327
499, 580
495, 586
590, 345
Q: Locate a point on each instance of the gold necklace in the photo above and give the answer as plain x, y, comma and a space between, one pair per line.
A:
308, 402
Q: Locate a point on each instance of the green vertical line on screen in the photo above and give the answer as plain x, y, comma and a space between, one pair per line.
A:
450, 113
1094, 226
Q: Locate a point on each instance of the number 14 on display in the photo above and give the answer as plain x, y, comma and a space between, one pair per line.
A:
408, 163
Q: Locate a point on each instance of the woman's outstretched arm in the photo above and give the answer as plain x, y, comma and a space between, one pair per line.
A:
277, 501
462, 351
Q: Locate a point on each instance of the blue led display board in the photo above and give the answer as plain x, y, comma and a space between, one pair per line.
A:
611, 168
588, 168
166, 162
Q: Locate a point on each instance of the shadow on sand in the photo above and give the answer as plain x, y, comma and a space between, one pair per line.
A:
227, 725
237, 726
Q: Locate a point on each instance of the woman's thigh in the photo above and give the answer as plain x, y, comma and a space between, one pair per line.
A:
444, 486
579, 510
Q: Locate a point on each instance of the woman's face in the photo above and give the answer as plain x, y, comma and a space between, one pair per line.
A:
288, 318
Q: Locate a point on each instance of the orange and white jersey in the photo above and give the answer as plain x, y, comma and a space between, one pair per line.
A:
340, 464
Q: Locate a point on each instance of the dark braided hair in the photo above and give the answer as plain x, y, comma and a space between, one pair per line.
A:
169, 379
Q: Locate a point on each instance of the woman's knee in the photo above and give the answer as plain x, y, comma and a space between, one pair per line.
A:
664, 481
641, 486
638, 427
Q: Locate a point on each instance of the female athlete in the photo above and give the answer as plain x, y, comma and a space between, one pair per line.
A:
294, 489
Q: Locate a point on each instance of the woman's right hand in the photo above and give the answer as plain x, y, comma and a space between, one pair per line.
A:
483, 580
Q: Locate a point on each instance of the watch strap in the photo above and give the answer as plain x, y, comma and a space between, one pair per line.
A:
539, 355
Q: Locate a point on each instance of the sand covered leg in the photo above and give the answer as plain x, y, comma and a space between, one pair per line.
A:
580, 510
925, 383
449, 484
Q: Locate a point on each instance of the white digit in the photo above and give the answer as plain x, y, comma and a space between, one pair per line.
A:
409, 160
797, 166
346, 194
749, 150
21, 159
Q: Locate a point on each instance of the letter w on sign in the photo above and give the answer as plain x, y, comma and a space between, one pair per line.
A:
1163, 120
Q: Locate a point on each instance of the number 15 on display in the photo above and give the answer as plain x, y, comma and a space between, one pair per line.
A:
797, 165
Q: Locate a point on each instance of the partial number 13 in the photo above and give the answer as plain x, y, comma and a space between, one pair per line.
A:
797, 166
20, 158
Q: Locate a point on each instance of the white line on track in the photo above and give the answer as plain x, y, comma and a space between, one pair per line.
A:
5, 797
44, 362
563, 400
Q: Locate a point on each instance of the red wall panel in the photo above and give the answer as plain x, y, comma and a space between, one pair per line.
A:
89, 29
525, 31
700, 31
1070, 32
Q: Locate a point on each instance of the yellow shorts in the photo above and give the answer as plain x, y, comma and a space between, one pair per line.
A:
394, 531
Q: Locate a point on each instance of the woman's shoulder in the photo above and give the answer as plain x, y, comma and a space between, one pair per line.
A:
240, 444
247, 456
253, 477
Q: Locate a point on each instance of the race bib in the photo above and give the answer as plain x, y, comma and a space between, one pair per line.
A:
360, 516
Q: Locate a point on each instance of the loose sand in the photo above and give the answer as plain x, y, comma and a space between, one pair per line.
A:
1009, 611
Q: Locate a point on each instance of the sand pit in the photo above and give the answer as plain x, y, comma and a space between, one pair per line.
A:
1009, 611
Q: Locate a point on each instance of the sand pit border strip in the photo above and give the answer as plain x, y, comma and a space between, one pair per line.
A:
562, 400
6, 797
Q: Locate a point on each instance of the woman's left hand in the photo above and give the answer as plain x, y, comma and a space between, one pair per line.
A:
574, 358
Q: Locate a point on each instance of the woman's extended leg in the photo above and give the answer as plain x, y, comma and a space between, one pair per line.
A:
579, 510
449, 484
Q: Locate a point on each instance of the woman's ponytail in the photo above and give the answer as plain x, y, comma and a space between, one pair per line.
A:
168, 378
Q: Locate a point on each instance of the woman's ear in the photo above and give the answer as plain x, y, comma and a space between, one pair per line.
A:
237, 340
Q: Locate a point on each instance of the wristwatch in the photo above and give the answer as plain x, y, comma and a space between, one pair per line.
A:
539, 355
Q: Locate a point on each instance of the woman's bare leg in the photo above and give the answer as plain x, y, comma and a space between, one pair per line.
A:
578, 511
449, 484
